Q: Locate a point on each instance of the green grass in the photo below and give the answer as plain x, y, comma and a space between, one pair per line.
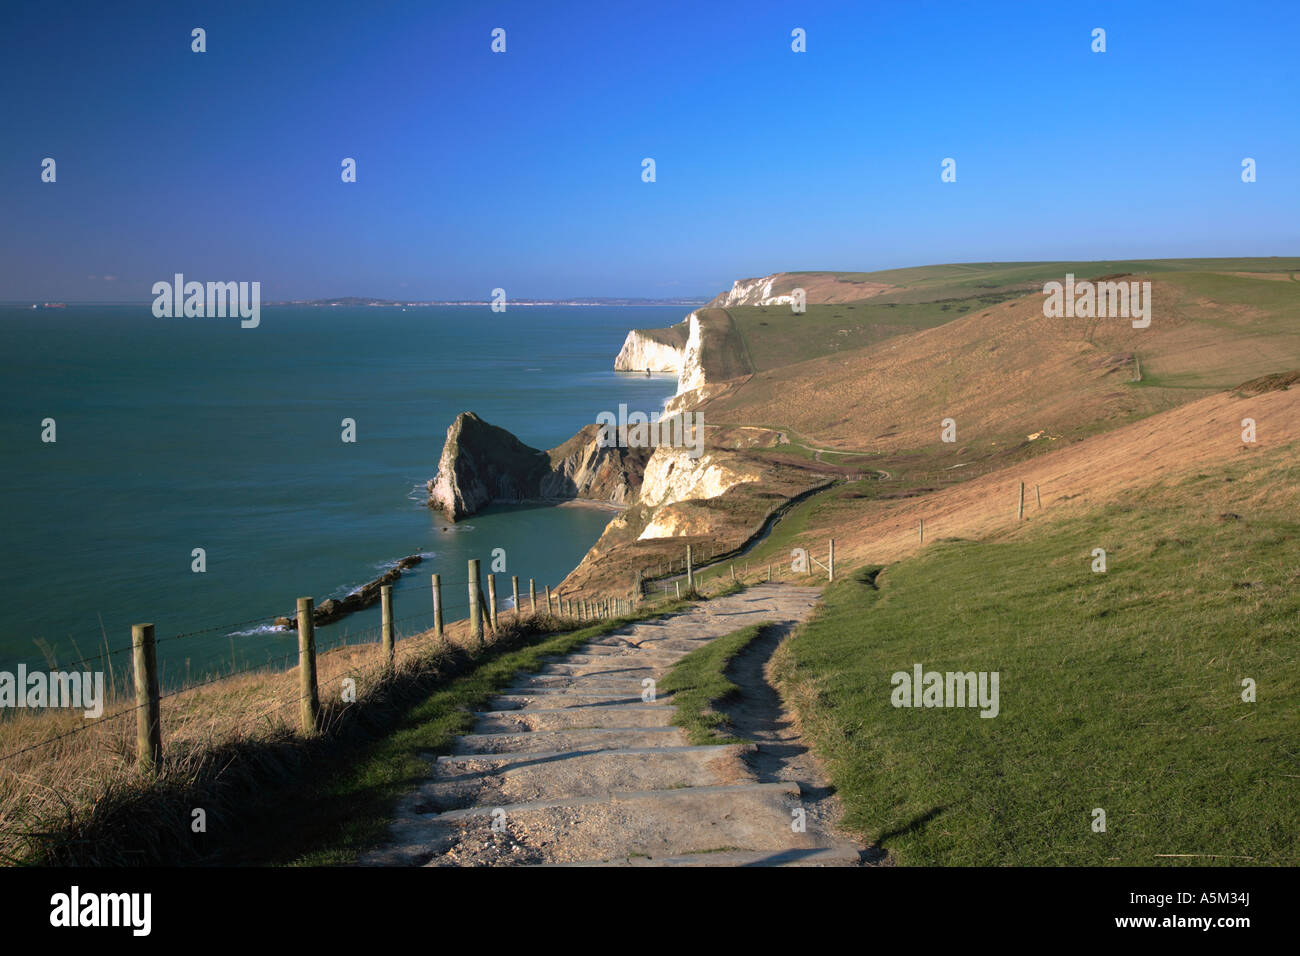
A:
699, 684
1119, 690
774, 336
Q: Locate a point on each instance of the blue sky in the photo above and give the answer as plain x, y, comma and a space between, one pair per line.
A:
523, 170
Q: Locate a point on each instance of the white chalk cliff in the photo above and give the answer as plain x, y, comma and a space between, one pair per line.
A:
752, 292
673, 476
659, 350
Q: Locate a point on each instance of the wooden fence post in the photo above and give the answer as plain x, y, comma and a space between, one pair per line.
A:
475, 603
1039, 495
733, 573
532, 595
1020, 510
690, 571
492, 602
830, 565
678, 585
437, 605
514, 590
386, 623
920, 530
148, 716
548, 601
309, 705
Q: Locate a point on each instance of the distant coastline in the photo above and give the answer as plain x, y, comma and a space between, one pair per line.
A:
355, 302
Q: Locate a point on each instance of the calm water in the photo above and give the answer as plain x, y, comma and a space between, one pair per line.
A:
175, 434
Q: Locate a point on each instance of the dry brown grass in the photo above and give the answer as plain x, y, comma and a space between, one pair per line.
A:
1195, 437
1007, 371
233, 733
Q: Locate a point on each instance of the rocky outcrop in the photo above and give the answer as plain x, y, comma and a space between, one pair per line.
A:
481, 463
659, 350
673, 475
330, 610
580, 468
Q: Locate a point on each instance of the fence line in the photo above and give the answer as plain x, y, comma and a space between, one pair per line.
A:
575, 604
145, 665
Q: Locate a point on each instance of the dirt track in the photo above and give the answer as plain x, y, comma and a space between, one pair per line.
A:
573, 766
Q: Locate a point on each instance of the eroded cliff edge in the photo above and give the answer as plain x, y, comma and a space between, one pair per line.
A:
655, 350
706, 350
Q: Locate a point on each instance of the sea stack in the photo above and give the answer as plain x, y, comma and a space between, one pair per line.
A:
481, 463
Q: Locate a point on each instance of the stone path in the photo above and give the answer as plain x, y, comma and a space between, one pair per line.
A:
575, 768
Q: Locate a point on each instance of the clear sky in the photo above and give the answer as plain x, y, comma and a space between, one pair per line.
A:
522, 170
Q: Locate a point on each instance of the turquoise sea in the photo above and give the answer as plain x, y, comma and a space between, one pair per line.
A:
176, 434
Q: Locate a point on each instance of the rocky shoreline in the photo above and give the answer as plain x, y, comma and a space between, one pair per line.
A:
331, 610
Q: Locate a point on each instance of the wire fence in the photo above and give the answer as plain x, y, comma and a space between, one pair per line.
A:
440, 613
474, 594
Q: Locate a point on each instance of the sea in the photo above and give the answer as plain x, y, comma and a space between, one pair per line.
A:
172, 435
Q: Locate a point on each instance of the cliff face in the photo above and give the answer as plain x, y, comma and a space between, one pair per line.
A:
481, 463
705, 349
753, 292
659, 350
674, 480
580, 468
777, 289
672, 475
715, 353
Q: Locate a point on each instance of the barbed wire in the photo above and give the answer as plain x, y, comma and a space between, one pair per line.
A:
367, 635
75, 730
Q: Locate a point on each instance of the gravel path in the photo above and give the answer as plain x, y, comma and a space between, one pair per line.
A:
572, 766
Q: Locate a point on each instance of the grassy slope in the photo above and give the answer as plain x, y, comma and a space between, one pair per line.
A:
1118, 690
1005, 372
927, 296
698, 684
985, 275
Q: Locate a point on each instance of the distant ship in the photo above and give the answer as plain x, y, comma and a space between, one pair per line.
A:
53, 305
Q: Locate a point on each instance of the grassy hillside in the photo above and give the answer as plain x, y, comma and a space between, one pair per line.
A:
926, 296
1119, 690
1003, 371
968, 278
